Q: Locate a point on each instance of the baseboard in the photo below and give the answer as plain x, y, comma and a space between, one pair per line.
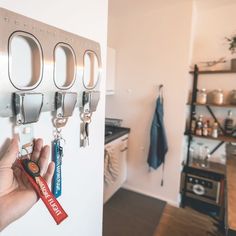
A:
131, 188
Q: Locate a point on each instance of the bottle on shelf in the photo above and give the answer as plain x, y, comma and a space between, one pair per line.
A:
194, 122
215, 133
205, 129
209, 129
229, 123
199, 126
233, 97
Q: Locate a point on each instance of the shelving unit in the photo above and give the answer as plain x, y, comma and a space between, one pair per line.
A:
209, 170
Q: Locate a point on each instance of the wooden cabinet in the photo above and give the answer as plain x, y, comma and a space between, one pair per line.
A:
111, 71
118, 149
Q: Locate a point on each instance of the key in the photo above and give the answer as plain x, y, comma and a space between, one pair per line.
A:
32, 171
86, 130
83, 135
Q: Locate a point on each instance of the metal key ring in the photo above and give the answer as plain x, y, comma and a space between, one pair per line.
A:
59, 122
86, 117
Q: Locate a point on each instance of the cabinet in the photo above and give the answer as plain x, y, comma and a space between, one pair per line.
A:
119, 149
111, 71
203, 184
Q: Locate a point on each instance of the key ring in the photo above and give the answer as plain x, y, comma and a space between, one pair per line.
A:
59, 122
86, 117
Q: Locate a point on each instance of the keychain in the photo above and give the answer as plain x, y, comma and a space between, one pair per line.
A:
57, 150
32, 171
64, 103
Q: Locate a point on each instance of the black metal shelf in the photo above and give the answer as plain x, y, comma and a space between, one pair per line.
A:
188, 167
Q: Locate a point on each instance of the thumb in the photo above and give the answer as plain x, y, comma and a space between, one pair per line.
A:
10, 155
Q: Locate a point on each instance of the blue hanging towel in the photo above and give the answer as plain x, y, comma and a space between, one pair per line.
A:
158, 141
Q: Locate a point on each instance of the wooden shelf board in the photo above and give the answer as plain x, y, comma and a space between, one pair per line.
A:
214, 72
220, 138
213, 105
209, 166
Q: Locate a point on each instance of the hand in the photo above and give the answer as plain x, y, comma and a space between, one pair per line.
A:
16, 193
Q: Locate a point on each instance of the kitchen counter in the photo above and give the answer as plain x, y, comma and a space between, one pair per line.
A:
114, 132
231, 194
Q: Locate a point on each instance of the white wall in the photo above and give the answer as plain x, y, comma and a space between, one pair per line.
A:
152, 39
82, 168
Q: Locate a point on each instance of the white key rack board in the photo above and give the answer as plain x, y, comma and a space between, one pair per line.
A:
39, 58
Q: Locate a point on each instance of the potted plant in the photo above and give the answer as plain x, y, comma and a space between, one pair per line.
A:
232, 48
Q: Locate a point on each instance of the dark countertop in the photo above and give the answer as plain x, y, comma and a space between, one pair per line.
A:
114, 132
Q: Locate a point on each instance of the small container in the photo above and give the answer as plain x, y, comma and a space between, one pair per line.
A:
214, 133
201, 96
205, 129
217, 97
233, 97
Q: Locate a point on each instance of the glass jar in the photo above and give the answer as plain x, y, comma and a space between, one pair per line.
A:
201, 96
200, 152
217, 97
233, 97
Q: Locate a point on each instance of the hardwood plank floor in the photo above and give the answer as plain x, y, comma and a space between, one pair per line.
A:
185, 222
131, 214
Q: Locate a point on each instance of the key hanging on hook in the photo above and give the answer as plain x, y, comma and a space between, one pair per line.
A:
65, 104
89, 104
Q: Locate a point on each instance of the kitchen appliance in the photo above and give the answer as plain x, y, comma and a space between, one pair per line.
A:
203, 187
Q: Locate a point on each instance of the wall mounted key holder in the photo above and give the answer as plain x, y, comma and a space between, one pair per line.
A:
39, 57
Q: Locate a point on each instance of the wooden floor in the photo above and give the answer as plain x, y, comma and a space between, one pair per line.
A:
185, 222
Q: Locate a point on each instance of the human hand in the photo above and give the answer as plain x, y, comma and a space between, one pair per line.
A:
16, 193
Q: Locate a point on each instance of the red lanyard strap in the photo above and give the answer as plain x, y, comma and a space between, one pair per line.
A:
42, 189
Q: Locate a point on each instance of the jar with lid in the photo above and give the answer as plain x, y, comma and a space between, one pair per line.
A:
233, 97
202, 96
217, 97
